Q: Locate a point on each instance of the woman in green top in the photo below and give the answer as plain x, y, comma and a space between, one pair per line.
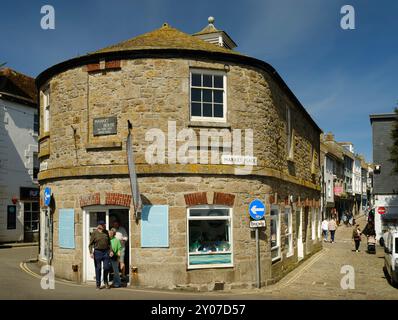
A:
116, 246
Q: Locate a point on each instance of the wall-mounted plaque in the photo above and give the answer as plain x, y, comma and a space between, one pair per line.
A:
105, 126
155, 226
66, 228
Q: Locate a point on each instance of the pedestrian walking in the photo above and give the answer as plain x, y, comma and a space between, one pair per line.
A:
99, 247
356, 235
325, 228
350, 218
332, 226
115, 255
345, 218
122, 235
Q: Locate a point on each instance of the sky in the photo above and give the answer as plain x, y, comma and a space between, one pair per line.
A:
340, 76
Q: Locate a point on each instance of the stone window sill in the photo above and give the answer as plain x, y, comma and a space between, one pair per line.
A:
206, 124
104, 145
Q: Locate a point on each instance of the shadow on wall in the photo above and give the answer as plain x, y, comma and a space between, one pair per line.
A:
13, 173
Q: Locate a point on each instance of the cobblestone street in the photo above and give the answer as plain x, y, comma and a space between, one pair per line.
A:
319, 277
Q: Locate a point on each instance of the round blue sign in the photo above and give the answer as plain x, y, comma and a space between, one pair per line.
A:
257, 209
47, 196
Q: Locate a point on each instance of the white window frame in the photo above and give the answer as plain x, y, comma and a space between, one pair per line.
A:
36, 116
46, 110
214, 73
278, 232
289, 233
86, 222
313, 224
230, 235
329, 189
289, 134
31, 220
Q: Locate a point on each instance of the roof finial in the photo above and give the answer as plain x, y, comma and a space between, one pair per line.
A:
211, 20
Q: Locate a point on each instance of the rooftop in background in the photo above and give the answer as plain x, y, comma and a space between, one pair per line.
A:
211, 34
338, 149
382, 116
17, 87
385, 182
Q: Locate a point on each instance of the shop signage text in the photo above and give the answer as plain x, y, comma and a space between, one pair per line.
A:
105, 126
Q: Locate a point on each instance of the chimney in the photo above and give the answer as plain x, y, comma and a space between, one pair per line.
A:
329, 136
218, 37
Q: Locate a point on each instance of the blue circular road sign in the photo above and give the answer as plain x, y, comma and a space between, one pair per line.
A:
47, 196
257, 209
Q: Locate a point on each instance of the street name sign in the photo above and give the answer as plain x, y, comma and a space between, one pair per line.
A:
239, 160
257, 224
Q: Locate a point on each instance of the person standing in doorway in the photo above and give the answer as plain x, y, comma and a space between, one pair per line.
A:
332, 226
99, 247
115, 255
122, 235
356, 235
325, 228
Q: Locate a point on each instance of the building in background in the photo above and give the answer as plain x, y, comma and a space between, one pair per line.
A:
350, 182
19, 166
385, 181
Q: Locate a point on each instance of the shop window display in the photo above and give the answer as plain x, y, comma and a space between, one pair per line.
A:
209, 237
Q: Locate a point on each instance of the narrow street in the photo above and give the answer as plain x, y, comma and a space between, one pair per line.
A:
320, 277
317, 278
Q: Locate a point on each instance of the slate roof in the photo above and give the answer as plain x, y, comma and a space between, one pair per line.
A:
170, 42
166, 37
17, 87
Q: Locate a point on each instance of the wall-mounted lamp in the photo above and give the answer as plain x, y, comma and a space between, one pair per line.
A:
226, 67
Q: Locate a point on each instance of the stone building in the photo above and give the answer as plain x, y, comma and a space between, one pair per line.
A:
193, 231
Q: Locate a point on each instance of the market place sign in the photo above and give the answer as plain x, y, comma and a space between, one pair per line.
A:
105, 126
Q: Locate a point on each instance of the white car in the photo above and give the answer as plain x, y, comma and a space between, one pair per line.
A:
390, 243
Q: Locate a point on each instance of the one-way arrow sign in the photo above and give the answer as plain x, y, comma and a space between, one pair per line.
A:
257, 209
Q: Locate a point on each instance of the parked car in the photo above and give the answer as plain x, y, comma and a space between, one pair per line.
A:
390, 243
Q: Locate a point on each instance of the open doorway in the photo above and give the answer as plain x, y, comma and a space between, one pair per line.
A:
119, 219
92, 216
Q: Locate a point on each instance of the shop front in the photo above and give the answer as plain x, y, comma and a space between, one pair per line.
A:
29, 198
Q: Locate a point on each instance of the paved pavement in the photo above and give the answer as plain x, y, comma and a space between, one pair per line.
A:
320, 276
317, 278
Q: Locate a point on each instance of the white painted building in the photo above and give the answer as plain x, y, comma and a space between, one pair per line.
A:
19, 193
357, 176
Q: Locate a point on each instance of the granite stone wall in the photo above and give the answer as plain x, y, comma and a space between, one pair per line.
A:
150, 93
